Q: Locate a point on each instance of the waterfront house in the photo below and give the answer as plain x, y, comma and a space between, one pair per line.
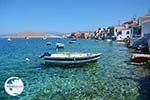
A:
140, 33
101, 33
85, 35
145, 25
135, 36
144, 21
114, 30
98, 33
121, 32
76, 35
124, 34
130, 23
125, 31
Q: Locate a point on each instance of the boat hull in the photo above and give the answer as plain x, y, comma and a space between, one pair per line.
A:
59, 46
72, 60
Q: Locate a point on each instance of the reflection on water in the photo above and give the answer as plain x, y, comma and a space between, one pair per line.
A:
67, 66
144, 88
112, 77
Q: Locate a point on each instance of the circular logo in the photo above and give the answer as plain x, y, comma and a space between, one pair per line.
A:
14, 86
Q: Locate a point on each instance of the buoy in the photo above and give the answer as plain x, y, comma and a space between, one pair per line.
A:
27, 59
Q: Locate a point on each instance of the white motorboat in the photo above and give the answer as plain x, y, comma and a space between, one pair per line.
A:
59, 45
9, 39
27, 38
70, 57
48, 43
72, 41
44, 38
108, 40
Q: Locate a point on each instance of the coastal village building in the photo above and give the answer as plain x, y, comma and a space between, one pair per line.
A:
85, 35
100, 33
136, 32
130, 23
140, 32
76, 34
124, 34
114, 30
130, 30
135, 36
144, 22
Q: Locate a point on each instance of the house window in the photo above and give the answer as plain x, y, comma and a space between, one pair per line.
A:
119, 33
127, 32
116, 30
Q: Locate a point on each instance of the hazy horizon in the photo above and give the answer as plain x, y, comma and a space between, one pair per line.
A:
66, 15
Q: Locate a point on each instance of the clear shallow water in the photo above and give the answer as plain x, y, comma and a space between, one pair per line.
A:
112, 77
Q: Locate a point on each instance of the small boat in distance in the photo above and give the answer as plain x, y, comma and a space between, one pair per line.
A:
44, 38
60, 45
70, 58
48, 43
27, 38
9, 39
73, 41
108, 40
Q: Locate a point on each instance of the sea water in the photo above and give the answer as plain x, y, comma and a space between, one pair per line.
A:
111, 78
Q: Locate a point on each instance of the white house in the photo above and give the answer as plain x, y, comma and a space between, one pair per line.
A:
142, 38
145, 24
125, 33
114, 30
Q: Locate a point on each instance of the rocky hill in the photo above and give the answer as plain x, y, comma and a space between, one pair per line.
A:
30, 35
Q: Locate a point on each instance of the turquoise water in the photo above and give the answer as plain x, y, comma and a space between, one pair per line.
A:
111, 78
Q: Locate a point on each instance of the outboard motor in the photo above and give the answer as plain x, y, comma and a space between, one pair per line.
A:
45, 54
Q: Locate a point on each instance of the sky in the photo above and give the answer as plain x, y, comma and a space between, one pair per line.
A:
67, 15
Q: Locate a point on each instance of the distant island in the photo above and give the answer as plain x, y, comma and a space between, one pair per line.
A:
31, 35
